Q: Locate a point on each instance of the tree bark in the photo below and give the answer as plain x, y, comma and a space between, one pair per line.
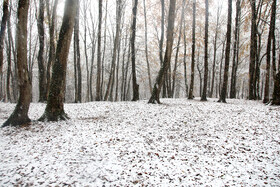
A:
268, 51
20, 114
235, 60
215, 52
193, 51
55, 108
78, 96
253, 52
146, 47
227, 55
52, 21
41, 64
98, 73
169, 43
204, 92
177, 51
133, 54
276, 92
3, 31
115, 49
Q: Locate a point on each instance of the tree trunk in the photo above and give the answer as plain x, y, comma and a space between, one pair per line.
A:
78, 96
169, 43
276, 92
146, 47
115, 49
268, 51
227, 55
253, 51
41, 64
55, 108
185, 60
193, 51
164, 94
98, 73
133, 55
9, 60
20, 114
3, 31
204, 92
215, 52
52, 21
235, 51
177, 50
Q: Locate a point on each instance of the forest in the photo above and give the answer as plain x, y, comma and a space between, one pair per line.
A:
121, 51
139, 93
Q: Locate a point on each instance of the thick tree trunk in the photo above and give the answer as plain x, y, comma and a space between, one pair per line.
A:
193, 51
164, 94
268, 51
3, 31
41, 64
227, 55
170, 29
276, 92
204, 92
98, 73
133, 54
78, 96
253, 52
55, 108
52, 21
235, 51
20, 114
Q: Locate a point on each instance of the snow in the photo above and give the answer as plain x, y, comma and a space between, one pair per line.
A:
178, 143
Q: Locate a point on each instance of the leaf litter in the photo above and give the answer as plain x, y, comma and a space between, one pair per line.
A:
178, 143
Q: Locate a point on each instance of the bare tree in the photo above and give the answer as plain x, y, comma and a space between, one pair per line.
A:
55, 108
77, 58
235, 60
132, 40
51, 57
115, 49
253, 51
41, 64
177, 50
268, 51
3, 31
20, 114
204, 92
169, 43
227, 55
98, 73
215, 51
193, 51
146, 46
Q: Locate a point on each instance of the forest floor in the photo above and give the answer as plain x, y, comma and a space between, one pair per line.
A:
179, 142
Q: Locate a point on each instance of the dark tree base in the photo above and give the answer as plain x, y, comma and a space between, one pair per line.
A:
155, 97
203, 100
15, 121
276, 92
47, 116
222, 101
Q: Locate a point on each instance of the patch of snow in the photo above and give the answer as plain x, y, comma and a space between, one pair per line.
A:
180, 142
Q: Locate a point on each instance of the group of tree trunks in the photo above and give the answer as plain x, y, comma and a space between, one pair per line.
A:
54, 92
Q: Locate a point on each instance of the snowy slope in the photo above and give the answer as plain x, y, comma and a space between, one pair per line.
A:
180, 142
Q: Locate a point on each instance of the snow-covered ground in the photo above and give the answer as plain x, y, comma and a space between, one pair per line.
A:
178, 143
